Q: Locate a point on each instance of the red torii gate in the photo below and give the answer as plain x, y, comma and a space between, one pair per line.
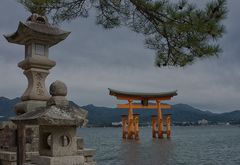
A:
130, 122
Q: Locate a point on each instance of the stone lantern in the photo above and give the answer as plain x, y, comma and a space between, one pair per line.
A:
37, 35
58, 121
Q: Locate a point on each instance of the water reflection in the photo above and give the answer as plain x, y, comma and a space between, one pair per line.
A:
146, 151
188, 145
130, 151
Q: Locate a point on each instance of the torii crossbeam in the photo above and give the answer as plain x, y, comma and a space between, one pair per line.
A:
130, 122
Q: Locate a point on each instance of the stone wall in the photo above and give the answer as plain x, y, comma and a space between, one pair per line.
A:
8, 137
8, 134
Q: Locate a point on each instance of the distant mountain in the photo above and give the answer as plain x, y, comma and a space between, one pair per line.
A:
184, 112
105, 115
180, 113
229, 117
7, 107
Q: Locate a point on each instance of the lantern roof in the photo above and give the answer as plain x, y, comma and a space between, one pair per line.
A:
37, 28
51, 115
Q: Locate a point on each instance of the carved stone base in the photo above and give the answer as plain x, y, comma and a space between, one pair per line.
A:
10, 158
83, 157
63, 160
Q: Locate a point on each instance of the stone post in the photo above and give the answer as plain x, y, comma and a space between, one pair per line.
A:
21, 141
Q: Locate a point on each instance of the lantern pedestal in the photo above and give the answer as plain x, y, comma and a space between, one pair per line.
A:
58, 122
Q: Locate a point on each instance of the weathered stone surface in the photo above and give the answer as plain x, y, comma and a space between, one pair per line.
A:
28, 106
57, 129
7, 136
11, 156
58, 101
57, 120
4, 162
65, 160
51, 116
37, 35
86, 152
37, 27
88, 159
39, 62
58, 112
38, 19
58, 88
30, 154
36, 89
80, 143
56, 145
90, 163
8, 124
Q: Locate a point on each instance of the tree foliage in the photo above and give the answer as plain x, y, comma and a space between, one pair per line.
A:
178, 31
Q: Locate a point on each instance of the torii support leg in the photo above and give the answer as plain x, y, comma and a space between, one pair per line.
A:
160, 121
154, 126
168, 123
136, 126
124, 126
130, 121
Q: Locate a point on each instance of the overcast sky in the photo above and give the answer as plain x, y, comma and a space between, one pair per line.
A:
92, 59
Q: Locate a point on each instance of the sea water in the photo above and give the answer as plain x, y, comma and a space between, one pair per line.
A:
201, 145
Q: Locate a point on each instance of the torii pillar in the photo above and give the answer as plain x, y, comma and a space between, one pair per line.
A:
160, 120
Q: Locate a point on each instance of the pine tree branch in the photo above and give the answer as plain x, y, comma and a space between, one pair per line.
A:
178, 31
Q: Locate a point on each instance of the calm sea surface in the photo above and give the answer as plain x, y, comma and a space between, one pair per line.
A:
209, 145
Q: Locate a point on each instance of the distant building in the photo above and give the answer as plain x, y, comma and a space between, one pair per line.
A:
203, 122
117, 124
